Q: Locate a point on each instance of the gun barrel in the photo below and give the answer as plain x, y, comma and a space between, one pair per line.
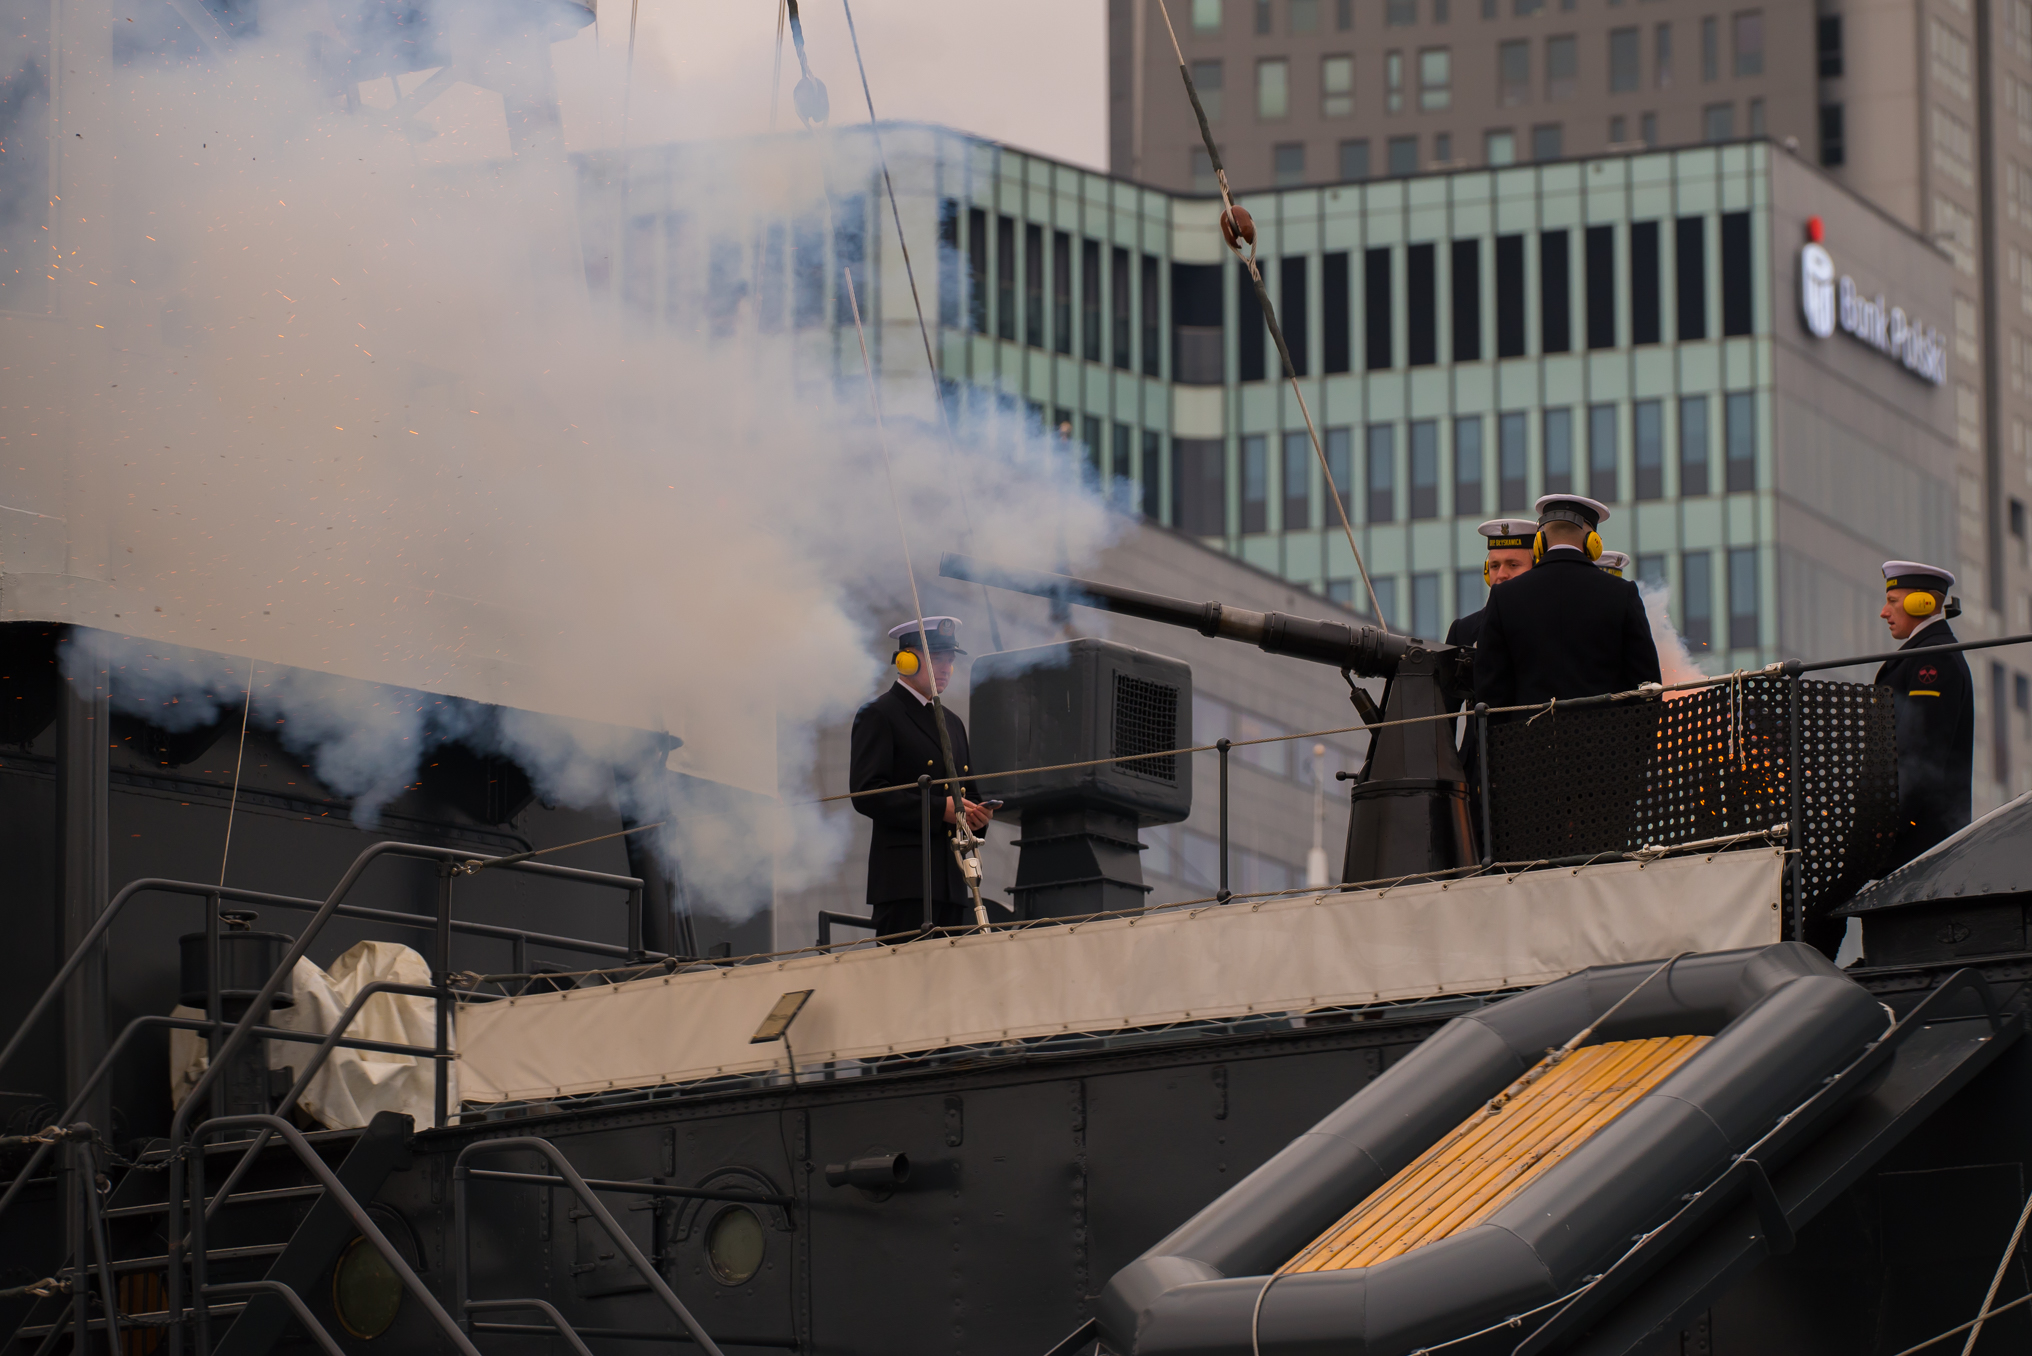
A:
1367, 650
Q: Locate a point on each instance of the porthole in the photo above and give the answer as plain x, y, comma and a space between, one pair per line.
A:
366, 1292
734, 1245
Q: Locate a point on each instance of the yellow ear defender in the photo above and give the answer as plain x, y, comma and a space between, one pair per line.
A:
1920, 603
907, 663
1486, 570
1593, 547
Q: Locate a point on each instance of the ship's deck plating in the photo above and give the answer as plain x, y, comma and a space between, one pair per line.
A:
1493, 1154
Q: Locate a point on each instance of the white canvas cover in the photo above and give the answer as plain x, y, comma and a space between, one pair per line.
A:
1281, 955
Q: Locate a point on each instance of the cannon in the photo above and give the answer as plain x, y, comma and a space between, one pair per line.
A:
1408, 808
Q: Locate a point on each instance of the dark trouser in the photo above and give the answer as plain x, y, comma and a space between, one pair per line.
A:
907, 915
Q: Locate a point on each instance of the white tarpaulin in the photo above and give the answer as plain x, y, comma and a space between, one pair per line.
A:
1282, 955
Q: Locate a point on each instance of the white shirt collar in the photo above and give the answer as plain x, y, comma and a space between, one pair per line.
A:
1550, 549
922, 700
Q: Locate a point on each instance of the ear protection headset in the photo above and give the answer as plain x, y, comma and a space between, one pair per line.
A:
1920, 603
906, 661
1593, 546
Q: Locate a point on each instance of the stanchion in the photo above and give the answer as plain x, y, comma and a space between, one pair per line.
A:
1224, 894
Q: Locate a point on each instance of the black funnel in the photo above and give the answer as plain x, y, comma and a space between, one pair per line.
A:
1409, 812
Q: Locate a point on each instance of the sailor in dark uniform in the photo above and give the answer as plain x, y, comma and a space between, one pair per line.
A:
1509, 556
1563, 628
894, 743
1936, 708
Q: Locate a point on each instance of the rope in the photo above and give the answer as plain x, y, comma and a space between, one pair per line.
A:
776, 71
1980, 1318
2003, 1265
478, 864
1256, 1315
1237, 225
963, 831
239, 760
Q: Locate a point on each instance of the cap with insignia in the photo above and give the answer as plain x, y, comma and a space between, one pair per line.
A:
1572, 508
1509, 534
1615, 562
942, 632
1912, 574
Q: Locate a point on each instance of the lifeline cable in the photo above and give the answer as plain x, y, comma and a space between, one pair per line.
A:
958, 797
1237, 225
2003, 1265
916, 301
239, 758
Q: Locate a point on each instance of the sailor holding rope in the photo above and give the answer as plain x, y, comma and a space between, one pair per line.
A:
1935, 700
894, 743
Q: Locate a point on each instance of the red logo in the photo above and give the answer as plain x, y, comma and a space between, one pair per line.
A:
1928, 674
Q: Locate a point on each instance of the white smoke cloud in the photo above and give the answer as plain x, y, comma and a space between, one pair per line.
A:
1675, 661
323, 399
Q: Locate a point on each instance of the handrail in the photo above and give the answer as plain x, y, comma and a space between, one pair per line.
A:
461, 1175
545, 1307
336, 1191
310, 1071
295, 1302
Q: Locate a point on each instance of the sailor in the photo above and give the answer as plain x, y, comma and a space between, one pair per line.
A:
1564, 628
1935, 704
1509, 556
894, 743
1615, 562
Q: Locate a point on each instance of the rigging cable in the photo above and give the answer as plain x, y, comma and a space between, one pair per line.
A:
239, 758
1238, 227
916, 301
776, 71
958, 797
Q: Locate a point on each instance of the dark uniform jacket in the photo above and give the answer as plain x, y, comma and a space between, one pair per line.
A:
1563, 629
1465, 631
894, 743
1936, 740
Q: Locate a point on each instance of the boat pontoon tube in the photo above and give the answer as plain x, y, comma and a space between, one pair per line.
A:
1782, 1020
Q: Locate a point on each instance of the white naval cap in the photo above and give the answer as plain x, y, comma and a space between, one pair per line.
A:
1572, 508
1509, 534
1913, 574
943, 632
1615, 562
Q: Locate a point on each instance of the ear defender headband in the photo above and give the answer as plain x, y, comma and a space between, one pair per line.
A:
906, 661
1593, 544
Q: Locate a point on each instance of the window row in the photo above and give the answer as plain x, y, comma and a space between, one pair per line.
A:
1302, 17
1073, 282
1489, 465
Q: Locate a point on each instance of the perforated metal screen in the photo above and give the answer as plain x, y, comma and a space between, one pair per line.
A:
1615, 778
1146, 719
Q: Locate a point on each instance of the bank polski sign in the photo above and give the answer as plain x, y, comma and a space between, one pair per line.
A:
1827, 301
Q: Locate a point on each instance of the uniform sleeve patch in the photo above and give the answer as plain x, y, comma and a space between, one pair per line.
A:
1920, 692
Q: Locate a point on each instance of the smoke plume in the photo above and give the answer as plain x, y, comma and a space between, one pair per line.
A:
1675, 661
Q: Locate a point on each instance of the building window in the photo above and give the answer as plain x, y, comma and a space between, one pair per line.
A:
1425, 468
1005, 277
1153, 479
1736, 308
1421, 305
1273, 88
1546, 142
1562, 67
1828, 45
1336, 86
1833, 144
1513, 67
1382, 473
1435, 79
1954, 154
1743, 598
1499, 148
1465, 286
1756, 117
1740, 438
977, 270
1304, 16
1262, 16
1033, 285
1206, 78
1252, 336
1555, 293
1513, 493
1123, 471
1340, 464
1291, 297
1393, 82
1693, 448
1718, 122
1648, 419
1470, 594
1336, 318
1119, 319
1425, 605
1403, 156
1288, 163
1661, 57
1950, 51
1153, 301
1196, 309
808, 275
1954, 226
1599, 246
1467, 465
1090, 300
1618, 129
1386, 598
1199, 486
1344, 15
1602, 452
1509, 296
1355, 160
1297, 482
1090, 438
1442, 149
1524, 9
1376, 308
2000, 724
1696, 600
1061, 291
1710, 48
1647, 129
1644, 282
1689, 269
1651, 571
1747, 30
1399, 13
1557, 451
1255, 484
1206, 16
1624, 72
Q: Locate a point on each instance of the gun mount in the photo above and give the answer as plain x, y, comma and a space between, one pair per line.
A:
1408, 809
